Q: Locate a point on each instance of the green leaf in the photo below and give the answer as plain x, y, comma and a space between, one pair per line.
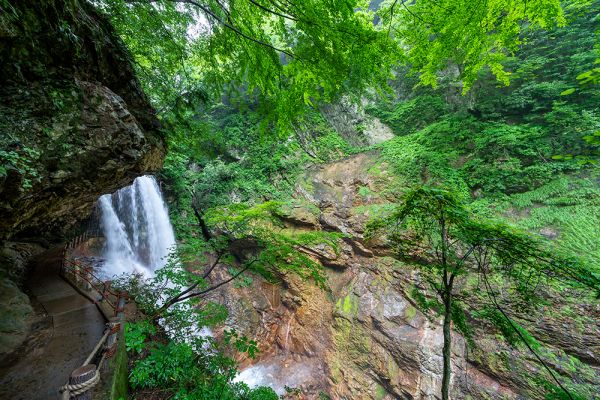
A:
567, 92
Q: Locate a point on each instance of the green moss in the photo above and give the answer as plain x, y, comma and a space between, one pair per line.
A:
336, 374
119, 378
348, 305
380, 392
410, 313
376, 170
392, 369
352, 341
364, 191
310, 207
373, 209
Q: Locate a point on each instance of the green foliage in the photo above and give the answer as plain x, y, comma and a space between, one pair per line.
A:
554, 392
137, 334
166, 363
278, 248
324, 396
591, 77
507, 327
298, 54
294, 54
436, 230
189, 365
22, 161
232, 161
493, 158
241, 343
461, 323
425, 304
178, 369
568, 208
411, 115
331, 147
502, 140
470, 36
174, 357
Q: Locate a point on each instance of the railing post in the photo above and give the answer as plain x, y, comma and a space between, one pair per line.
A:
77, 272
82, 375
63, 260
114, 326
88, 277
120, 304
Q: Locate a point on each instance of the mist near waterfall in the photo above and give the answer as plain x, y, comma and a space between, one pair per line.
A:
139, 235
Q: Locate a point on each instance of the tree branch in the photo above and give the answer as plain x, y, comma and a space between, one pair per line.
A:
218, 285
257, 4
178, 297
227, 25
518, 332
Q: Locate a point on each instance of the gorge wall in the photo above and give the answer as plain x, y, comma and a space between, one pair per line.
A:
75, 124
365, 337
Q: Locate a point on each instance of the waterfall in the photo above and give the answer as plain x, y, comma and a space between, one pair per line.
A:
139, 236
135, 222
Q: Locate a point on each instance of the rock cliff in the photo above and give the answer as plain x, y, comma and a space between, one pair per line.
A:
74, 124
366, 338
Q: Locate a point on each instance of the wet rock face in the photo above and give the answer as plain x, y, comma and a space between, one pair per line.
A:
75, 123
354, 125
367, 333
15, 308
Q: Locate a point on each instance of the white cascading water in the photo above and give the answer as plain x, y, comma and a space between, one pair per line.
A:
139, 235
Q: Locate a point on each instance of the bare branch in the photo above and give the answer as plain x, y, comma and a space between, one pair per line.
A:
218, 285
490, 292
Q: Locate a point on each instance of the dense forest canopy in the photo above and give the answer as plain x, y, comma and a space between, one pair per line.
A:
494, 101
300, 53
480, 121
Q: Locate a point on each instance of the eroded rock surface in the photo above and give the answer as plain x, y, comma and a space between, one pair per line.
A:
74, 121
74, 124
367, 334
354, 124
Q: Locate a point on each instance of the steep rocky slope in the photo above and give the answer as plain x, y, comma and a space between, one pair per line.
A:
75, 124
365, 338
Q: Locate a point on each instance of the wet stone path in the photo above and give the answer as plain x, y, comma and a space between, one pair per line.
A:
67, 326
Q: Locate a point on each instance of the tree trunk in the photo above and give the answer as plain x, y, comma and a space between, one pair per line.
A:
203, 228
447, 353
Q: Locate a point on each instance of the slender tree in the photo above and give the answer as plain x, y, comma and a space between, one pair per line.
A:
435, 230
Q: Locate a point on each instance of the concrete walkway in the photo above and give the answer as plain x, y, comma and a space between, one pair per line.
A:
66, 329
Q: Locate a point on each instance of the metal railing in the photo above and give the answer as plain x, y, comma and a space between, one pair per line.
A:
81, 276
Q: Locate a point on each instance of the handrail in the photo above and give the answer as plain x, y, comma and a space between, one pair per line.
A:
100, 343
84, 378
74, 267
85, 272
99, 286
87, 376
